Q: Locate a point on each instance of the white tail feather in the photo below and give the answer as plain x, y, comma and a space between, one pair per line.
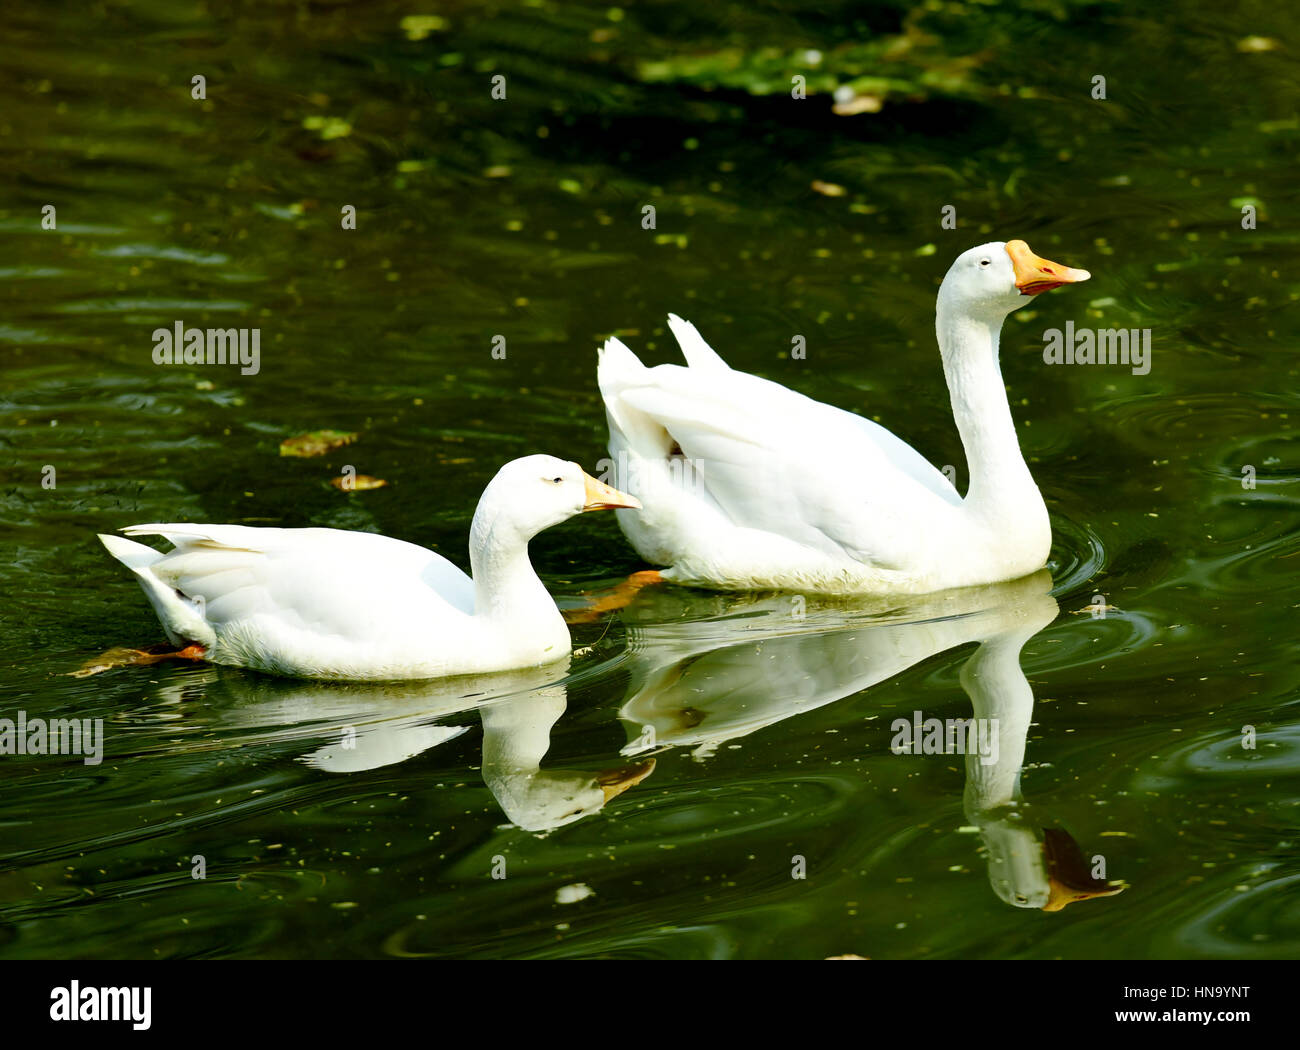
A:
181, 618
697, 352
629, 430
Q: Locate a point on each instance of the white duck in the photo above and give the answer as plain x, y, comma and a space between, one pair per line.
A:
750, 485
327, 603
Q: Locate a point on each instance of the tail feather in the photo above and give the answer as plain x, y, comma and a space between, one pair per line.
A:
201, 537
629, 430
135, 556
181, 618
615, 356
697, 352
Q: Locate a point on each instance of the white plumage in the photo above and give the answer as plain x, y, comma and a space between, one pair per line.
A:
748, 484
327, 603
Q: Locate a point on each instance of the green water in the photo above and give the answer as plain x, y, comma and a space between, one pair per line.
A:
522, 218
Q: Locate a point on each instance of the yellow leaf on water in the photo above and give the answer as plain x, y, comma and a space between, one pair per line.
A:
316, 443
357, 482
858, 104
828, 189
327, 127
417, 27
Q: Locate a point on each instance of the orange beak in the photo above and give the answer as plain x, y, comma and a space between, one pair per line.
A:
1035, 274
1060, 894
1068, 876
603, 497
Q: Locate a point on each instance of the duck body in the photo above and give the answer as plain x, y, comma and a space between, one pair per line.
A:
328, 603
750, 485
773, 490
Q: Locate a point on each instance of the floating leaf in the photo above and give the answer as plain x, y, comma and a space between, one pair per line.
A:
417, 27
828, 189
849, 72
317, 443
571, 894
851, 107
328, 127
357, 482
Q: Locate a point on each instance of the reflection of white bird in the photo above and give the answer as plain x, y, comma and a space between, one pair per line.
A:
384, 744
755, 661
516, 737
749, 485
371, 725
706, 669
1028, 867
326, 603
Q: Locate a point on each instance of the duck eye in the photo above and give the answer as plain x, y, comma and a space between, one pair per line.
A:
986, 262
557, 481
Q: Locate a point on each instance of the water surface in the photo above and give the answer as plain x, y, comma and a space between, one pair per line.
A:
522, 218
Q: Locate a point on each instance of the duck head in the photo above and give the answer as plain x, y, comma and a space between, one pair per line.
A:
545, 799
536, 492
993, 279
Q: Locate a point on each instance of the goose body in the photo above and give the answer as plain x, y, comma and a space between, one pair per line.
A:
329, 603
750, 485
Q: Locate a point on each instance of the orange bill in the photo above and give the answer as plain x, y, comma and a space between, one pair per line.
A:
1069, 878
604, 497
1060, 894
1035, 274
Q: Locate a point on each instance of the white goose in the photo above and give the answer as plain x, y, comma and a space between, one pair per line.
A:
327, 603
750, 485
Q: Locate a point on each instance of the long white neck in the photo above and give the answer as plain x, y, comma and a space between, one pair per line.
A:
999, 477
506, 588
517, 733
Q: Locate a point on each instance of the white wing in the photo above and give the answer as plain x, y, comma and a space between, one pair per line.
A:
325, 582
777, 461
701, 357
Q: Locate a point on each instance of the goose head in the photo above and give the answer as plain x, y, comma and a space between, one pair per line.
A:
536, 492
991, 280
545, 799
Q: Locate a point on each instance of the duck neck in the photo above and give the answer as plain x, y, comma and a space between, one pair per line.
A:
506, 587
517, 733
998, 474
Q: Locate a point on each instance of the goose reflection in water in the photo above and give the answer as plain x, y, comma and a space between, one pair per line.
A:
707, 669
371, 725
704, 669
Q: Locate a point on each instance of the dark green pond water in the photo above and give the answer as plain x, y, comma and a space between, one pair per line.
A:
522, 217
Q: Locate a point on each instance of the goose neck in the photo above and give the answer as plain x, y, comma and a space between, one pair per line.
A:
969, 345
506, 587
